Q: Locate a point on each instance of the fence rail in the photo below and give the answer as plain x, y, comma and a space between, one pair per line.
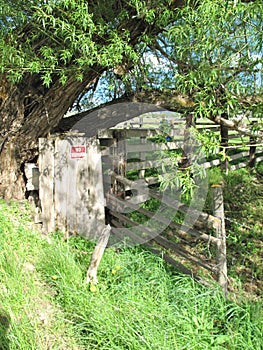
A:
207, 228
75, 191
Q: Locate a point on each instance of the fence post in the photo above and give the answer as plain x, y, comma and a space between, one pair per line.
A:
142, 158
252, 151
97, 255
119, 158
224, 143
218, 209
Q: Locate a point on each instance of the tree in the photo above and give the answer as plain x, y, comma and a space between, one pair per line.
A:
214, 52
208, 63
54, 52
217, 54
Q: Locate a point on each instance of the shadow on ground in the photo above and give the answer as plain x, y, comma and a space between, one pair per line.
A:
4, 325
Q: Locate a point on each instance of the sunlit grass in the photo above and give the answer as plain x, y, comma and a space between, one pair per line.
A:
139, 303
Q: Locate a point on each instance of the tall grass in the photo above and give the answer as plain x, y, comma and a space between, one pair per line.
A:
139, 303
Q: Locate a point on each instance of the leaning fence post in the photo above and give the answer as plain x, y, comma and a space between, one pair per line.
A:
97, 255
218, 209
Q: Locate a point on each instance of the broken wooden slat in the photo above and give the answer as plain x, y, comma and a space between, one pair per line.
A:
179, 266
164, 242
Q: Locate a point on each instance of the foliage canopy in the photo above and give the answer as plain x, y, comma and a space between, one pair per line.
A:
71, 36
200, 58
210, 51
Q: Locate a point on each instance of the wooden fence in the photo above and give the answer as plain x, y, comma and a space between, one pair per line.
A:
204, 244
84, 183
172, 239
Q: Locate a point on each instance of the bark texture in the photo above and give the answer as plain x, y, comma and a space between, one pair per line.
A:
29, 110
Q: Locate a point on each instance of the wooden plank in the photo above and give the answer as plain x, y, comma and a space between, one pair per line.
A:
97, 254
168, 222
61, 185
46, 183
157, 163
252, 150
179, 250
142, 157
238, 166
175, 248
146, 164
136, 133
128, 183
73, 204
209, 221
214, 162
32, 176
149, 132
89, 181
151, 146
133, 184
239, 155
218, 208
213, 127
151, 235
259, 159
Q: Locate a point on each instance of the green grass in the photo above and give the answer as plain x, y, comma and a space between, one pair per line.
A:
244, 212
140, 302
243, 202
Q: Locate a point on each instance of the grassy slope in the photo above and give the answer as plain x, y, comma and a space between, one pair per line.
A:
140, 302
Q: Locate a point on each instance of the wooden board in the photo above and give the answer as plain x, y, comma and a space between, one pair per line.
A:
46, 183
71, 185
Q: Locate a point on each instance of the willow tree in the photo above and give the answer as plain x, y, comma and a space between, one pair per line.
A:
216, 50
207, 63
51, 52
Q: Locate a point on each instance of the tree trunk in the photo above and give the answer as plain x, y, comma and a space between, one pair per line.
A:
11, 177
29, 111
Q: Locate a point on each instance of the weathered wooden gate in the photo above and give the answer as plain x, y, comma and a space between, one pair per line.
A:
201, 243
74, 195
71, 185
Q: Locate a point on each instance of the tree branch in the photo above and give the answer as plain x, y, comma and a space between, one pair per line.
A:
163, 100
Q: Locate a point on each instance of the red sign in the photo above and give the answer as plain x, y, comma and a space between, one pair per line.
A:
78, 152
